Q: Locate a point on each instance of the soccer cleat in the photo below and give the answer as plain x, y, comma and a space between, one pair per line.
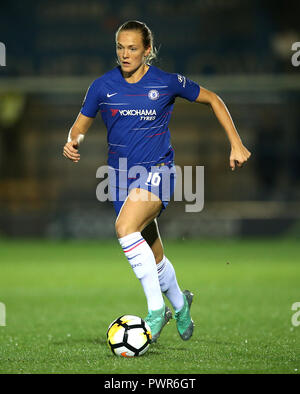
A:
157, 320
184, 322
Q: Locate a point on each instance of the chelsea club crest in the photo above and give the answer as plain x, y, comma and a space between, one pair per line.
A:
153, 94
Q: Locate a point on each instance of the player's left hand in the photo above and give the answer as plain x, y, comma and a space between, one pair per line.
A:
238, 156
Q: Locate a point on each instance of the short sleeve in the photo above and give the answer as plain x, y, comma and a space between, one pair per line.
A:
184, 87
90, 105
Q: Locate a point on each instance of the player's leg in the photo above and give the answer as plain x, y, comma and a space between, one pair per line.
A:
134, 216
152, 236
166, 273
181, 301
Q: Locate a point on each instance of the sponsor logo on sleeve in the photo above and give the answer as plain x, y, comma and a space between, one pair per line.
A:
181, 79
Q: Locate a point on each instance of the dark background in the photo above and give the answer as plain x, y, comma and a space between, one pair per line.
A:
239, 49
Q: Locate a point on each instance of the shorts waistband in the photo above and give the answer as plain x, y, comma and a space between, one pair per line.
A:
168, 163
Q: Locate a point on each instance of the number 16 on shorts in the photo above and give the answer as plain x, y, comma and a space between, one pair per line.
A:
153, 179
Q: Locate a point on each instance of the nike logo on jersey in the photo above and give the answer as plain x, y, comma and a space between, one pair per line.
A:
110, 95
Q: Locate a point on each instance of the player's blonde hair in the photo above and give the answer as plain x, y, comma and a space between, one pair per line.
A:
147, 37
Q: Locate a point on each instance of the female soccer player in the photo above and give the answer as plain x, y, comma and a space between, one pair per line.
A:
136, 100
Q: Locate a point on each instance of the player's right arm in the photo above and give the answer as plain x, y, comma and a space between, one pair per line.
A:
75, 137
88, 112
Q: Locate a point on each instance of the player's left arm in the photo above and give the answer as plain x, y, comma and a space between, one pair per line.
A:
239, 153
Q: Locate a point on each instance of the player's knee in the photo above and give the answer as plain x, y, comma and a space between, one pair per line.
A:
124, 228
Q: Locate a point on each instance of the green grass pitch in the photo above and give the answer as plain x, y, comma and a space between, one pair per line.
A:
60, 298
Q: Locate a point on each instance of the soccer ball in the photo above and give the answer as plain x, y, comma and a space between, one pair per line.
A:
129, 336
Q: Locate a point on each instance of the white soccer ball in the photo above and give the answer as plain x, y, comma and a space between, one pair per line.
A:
128, 336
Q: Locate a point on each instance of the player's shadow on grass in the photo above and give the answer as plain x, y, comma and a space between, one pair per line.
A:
81, 341
156, 349
159, 348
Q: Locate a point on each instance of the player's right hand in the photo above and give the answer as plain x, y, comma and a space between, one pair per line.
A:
71, 151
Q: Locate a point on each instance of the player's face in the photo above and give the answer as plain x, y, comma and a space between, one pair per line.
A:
130, 50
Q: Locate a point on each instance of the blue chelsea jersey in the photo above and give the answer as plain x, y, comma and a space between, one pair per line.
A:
137, 115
